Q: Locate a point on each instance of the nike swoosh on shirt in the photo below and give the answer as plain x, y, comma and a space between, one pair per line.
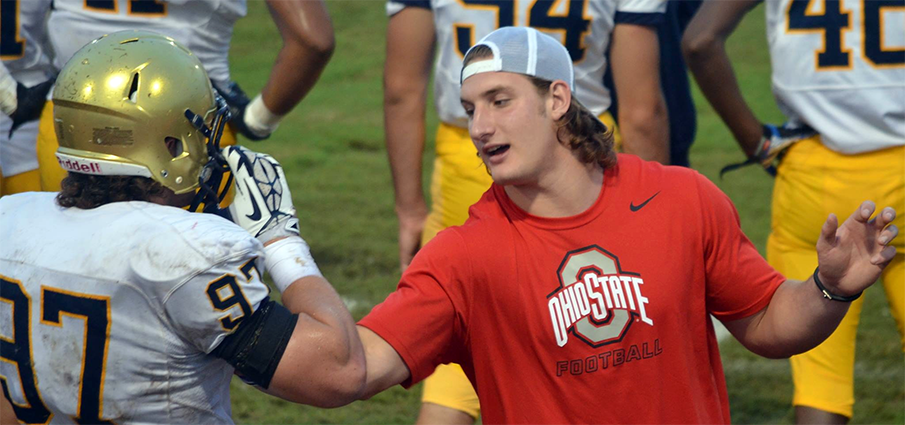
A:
256, 215
634, 207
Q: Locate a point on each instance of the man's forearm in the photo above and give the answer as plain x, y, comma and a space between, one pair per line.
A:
704, 48
307, 33
713, 72
405, 132
797, 319
281, 94
643, 119
410, 44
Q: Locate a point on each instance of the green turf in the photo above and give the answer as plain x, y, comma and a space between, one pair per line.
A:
332, 149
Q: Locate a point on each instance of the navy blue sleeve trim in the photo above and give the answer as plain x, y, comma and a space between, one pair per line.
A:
424, 4
652, 19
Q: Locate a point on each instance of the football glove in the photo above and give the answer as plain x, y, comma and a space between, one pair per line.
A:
31, 102
238, 102
772, 146
262, 204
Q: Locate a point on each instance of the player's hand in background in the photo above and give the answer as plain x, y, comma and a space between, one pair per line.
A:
411, 227
263, 203
249, 117
772, 145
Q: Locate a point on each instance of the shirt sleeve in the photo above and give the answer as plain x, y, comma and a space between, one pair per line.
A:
424, 319
214, 303
640, 12
396, 6
739, 281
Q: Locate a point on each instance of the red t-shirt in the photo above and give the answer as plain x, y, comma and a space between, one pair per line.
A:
602, 317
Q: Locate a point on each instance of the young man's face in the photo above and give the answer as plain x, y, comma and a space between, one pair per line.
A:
512, 126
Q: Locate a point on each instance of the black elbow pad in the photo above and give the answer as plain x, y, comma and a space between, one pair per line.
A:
256, 347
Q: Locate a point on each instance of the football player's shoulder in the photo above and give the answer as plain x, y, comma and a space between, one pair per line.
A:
21, 211
184, 243
25, 199
212, 236
26, 205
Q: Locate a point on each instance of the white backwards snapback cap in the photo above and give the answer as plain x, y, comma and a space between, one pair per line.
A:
523, 50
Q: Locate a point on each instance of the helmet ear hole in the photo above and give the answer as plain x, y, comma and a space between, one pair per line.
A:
133, 89
174, 145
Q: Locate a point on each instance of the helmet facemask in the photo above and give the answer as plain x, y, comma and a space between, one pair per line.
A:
211, 175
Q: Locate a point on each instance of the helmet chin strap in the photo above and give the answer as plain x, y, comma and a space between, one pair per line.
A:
212, 174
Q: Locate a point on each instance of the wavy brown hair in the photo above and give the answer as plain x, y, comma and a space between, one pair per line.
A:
87, 191
578, 128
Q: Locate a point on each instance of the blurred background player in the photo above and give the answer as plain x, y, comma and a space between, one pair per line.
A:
205, 27
838, 67
673, 81
104, 324
25, 78
627, 29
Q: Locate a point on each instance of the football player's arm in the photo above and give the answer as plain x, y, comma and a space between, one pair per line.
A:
307, 34
799, 316
323, 364
643, 119
384, 365
308, 351
704, 47
410, 44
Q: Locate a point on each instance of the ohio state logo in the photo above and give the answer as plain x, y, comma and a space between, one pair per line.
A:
596, 301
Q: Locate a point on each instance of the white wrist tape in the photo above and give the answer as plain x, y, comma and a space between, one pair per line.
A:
259, 119
288, 260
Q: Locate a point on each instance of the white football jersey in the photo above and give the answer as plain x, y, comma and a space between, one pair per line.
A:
24, 49
839, 67
24, 45
583, 26
204, 26
18, 154
109, 313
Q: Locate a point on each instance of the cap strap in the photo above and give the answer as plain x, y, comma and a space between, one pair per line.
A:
532, 53
478, 67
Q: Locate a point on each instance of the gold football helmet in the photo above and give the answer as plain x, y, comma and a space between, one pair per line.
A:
137, 103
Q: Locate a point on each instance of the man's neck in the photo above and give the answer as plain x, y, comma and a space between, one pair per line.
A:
563, 194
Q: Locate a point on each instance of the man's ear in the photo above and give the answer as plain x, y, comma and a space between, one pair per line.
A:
561, 96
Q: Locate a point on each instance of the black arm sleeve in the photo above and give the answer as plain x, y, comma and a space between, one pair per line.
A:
256, 347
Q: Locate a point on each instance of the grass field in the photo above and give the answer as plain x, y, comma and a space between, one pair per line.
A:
332, 149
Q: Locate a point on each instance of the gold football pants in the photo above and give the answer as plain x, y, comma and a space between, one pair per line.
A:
811, 183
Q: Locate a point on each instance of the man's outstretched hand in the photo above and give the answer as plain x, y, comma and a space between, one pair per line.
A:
852, 256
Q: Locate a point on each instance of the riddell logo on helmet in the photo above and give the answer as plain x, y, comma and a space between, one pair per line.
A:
80, 167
